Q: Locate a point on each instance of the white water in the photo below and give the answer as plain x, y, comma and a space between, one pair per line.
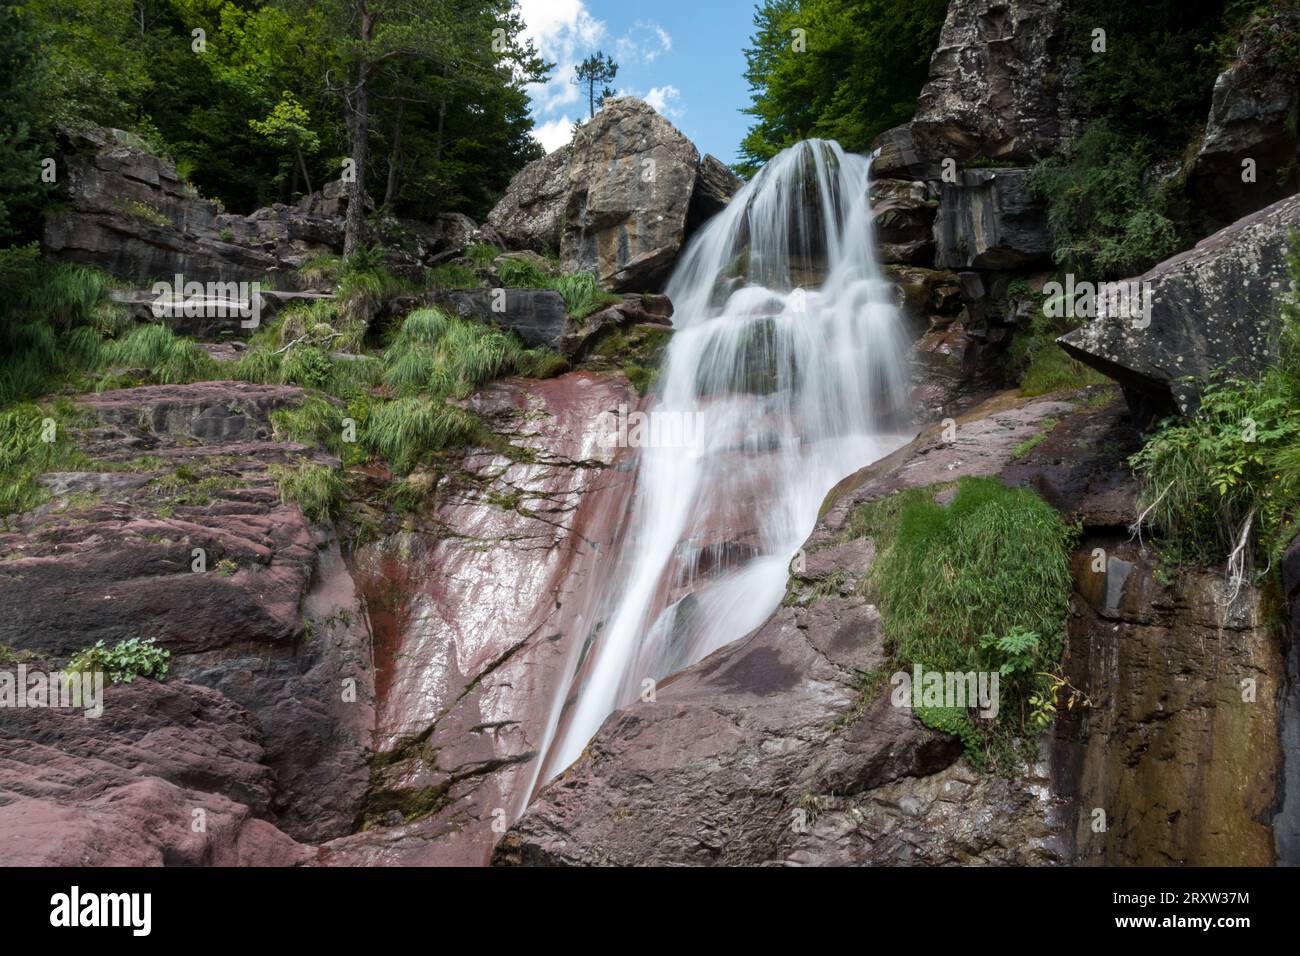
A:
795, 388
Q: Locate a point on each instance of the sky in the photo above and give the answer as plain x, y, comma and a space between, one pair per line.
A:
683, 57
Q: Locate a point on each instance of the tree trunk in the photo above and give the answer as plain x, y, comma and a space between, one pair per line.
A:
354, 227
390, 192
302, 165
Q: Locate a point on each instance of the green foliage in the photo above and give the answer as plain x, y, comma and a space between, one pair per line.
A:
521, 273
1237, 459
25, 454
454, 275
1107, 222
166, 358
1157, 75
317, 489
52, 316
257, 116
482, 254
125, 661
582, 293
993, 561
446, 355
406, 431
865, 63
23, 142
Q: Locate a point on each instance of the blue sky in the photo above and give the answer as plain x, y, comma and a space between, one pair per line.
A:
684, 57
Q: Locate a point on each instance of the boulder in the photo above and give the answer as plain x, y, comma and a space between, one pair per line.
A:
536, 314
635, 309
895, 156
631, 178
999, 83
1211, 306
715, 186
989, 219
531, 213
1252, 117
903, 215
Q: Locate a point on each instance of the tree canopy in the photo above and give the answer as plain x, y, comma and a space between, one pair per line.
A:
838, 69
257, 100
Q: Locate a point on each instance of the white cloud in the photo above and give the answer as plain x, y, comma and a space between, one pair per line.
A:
554, 133
661, 96
563, 31
644, 43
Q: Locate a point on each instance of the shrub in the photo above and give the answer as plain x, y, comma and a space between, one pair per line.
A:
994, 561
1107, 223
407, 430
1226, 481
317, 489
169, 359
125, 661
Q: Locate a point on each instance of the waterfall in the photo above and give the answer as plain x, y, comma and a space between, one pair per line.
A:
787, 371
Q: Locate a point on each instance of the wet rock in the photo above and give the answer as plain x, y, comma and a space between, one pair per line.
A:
581, 334
473, 621
989, 219
1182, 758
1210, 306
999, 83
531, 213
1252, 117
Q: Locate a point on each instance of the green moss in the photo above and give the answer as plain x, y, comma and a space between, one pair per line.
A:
1029, 444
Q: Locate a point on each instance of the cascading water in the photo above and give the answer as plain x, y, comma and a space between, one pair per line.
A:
788, 370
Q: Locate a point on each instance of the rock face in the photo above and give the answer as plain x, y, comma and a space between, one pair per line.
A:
130, 214
1183, 760
619, 201
1214, 304
767, 751
1252, 117
903, 213
990, 220
531, 213
997, 83
473, 618
182, 537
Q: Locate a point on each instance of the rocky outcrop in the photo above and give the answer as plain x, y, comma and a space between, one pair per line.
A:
473, 614
631, 178
903, 213
531, 213
999, 83
989, 219
1252, 120
130, 214
1212, 306
619, 201
181, 536
768, 751
537, 315
171, 774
